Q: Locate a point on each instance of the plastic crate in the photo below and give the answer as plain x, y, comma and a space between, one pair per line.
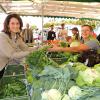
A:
12, 88
17, 98
15, 71
57, 57
59, 60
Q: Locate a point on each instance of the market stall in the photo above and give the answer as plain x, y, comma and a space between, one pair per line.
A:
52, 75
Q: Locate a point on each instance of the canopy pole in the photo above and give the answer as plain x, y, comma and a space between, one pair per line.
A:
42, 15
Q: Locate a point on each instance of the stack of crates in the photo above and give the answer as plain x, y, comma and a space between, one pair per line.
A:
13, 84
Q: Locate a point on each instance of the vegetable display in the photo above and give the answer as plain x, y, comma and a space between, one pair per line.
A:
39, 59
67, 80
52, 76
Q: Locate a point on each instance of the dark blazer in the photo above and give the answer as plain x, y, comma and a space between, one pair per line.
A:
51, 35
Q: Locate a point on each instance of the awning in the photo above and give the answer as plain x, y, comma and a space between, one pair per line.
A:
52, 8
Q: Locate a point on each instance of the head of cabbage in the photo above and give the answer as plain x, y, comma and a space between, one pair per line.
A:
75, 43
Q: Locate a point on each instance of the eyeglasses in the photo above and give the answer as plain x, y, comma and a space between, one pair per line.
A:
86, 31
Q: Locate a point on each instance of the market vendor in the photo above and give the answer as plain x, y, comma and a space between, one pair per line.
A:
89, 50
12, 46
89, 42
75, 33
62, 33
51, 33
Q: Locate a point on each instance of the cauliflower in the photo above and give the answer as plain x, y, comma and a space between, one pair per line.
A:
45, 95
52, 94
74, 92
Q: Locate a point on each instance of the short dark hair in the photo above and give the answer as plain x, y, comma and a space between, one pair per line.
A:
52, 25
62, 24
7, 20
90, 27
75, 29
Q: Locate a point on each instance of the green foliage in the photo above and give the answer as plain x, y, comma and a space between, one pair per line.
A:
90, 93
39, 59
73, 58
12, 87
29, 74
57, 57
81, 21
63, 57
33, 27
46, 76
47, 25
64, 44
51, 78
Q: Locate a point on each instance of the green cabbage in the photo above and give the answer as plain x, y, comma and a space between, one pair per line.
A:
79, 66
79, 80
75, 43
97, 67
89, 77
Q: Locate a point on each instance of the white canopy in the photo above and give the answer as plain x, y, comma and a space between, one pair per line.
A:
52, 8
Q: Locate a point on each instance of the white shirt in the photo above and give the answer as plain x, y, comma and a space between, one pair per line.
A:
63, 34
